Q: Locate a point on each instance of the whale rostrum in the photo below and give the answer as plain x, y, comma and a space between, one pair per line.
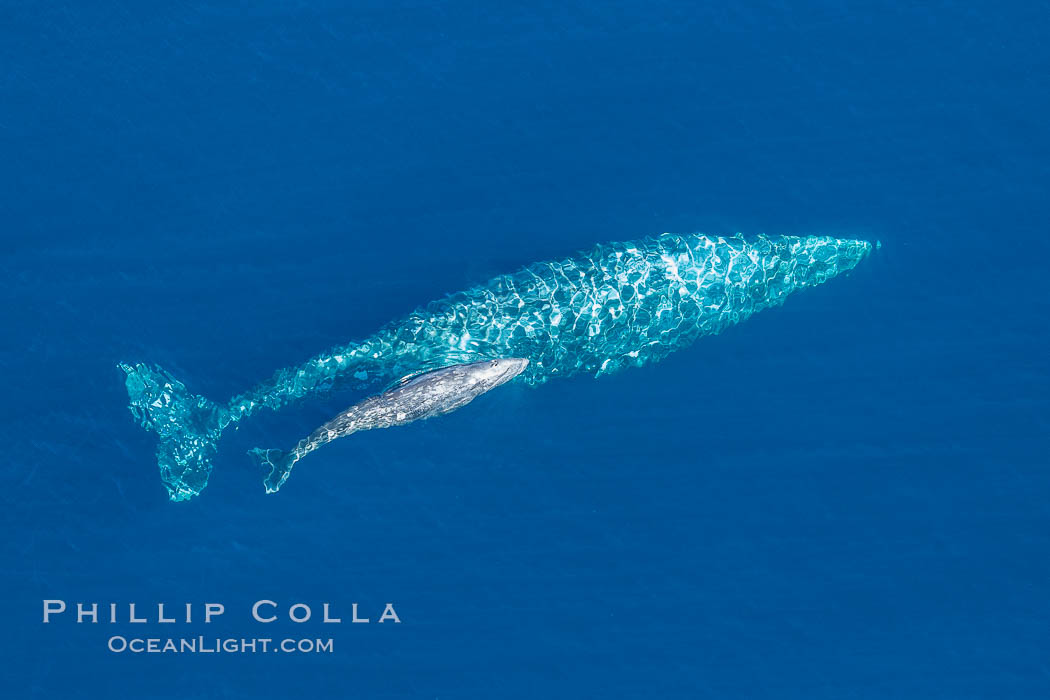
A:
617, 305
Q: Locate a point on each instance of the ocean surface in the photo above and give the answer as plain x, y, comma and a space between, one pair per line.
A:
845, 497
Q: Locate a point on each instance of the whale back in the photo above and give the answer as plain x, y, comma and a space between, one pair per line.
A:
624, 304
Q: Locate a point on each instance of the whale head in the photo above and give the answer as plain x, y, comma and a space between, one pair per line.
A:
491, 373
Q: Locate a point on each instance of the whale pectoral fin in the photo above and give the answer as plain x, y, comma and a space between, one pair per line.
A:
278, 462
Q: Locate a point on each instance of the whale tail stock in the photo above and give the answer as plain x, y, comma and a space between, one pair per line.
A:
188, 427
278, 462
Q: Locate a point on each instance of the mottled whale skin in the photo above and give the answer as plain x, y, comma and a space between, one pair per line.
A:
617, 305
420, 397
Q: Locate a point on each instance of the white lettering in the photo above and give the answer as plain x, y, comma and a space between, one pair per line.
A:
213, 610
82, 613
294, 618
390, 614
53, 606
259, 604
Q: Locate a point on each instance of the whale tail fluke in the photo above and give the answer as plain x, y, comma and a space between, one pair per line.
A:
188, 426
278, 462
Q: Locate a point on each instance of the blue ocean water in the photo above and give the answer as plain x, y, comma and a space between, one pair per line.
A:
843, 497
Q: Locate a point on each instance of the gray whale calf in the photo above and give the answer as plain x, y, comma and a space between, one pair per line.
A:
417, 397
617, 305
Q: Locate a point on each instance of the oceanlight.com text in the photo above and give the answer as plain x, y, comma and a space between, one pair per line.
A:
217, 645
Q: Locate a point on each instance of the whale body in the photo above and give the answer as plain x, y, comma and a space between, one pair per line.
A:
617, 305
415, 398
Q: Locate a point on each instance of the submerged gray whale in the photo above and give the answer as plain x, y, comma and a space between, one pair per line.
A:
617, 305
415, 398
